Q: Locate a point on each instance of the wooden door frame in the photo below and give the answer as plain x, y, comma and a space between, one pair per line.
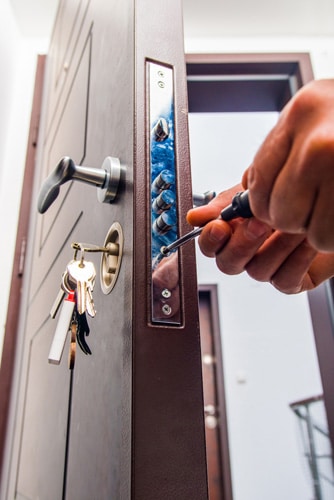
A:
208, 296
321, 302
296, 70
14, 302
261, 82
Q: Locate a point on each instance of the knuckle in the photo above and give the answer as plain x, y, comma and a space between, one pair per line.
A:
305, 101
206, 251
321, 239
321, 144
257, 272
284, 286
228, 267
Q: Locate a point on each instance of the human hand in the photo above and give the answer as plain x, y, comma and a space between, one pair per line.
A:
291, 179
285, 260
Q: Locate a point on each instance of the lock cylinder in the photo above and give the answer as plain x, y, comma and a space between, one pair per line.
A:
163, 202
162, 181
163, 223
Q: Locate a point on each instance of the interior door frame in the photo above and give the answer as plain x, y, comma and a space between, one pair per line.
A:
210, 320
276, 77
249, 82
15, 294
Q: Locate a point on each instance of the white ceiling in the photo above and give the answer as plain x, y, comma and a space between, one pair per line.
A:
213, 18
225, 18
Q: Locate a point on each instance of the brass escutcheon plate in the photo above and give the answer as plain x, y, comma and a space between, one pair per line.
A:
111, 261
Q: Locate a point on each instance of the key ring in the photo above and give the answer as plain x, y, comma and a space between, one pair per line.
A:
110, 249
64, 283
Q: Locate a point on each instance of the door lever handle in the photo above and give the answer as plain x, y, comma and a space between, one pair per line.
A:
106, 179
203, 199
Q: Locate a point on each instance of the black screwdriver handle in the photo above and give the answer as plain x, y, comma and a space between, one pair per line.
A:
239, 207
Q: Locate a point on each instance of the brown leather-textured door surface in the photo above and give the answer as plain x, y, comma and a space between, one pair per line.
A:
127, 422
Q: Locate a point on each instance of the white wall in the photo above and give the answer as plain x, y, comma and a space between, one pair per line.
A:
267, 338
18, 56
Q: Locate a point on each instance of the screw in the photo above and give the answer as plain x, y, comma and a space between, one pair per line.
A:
166, 309
166, 293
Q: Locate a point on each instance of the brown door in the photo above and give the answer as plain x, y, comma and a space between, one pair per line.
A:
127, 421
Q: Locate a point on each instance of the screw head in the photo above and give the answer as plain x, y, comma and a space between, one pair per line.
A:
167, 310
166, 293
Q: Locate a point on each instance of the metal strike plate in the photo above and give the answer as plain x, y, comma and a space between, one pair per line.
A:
165, 289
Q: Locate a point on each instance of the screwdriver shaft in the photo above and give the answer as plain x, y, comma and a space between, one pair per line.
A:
238, 208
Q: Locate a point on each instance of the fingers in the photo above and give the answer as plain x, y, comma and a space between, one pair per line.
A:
300, 199
201, 215
261, 175
291, 179
284, 261
320, 230
214, 236
233, 244
321, 269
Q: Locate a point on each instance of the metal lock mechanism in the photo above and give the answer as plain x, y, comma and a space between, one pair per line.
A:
163, 191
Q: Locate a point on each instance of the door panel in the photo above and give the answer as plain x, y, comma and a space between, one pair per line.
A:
68, 28
43, 445
128, 421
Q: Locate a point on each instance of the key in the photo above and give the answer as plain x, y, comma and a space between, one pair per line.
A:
82, 271
83, 331
90, 307
73, 344
63, 325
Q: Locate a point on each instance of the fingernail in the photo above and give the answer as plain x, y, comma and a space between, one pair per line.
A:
216, 234
256, 229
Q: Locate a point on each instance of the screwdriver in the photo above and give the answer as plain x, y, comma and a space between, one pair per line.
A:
238, 208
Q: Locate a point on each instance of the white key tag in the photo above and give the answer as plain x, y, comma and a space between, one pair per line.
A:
62, 329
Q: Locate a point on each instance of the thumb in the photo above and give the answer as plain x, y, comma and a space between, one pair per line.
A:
201, 215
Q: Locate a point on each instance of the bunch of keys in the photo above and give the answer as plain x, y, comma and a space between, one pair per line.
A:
75, 298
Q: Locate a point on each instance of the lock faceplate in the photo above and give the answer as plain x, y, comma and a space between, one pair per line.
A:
165, 288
